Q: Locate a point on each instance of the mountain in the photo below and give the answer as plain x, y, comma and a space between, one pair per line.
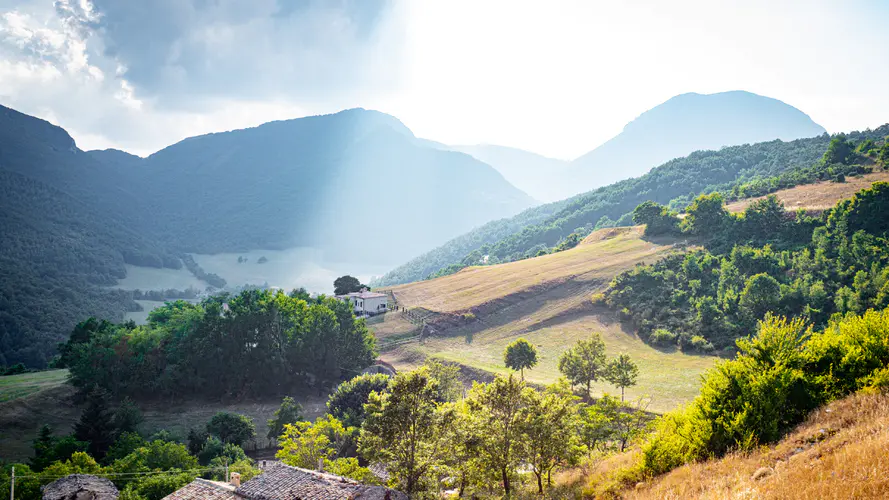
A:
750, 169
530, 172
354, 182
684, 124
355, 185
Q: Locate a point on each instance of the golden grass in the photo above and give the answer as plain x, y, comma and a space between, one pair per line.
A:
818, 196
547, 301
391, 324
602, 255
841, 451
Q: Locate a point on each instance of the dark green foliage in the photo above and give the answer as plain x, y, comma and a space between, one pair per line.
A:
738, 171
96, 424
346, 403
719, 295
231, 428
49, 448
656, 218
257, 342
15, 369
128, 417
520, 354
125, 444
214, 448
346, 284
290, 412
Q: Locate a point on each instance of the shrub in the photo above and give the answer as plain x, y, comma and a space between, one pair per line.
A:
698, 344
662, 337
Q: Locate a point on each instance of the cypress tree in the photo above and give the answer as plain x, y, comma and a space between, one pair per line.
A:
96, 424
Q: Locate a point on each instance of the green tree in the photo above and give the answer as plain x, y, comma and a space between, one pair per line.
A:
520, 354
348, 399
496, 411
346, 284
406, 429
622, 372
840, 150
231, 428
597, 423
761, 294
549, 426
290, 412
157, 455
305, 444
96, 424
656, 218
450, 388
706, 216
585, 362
128, 417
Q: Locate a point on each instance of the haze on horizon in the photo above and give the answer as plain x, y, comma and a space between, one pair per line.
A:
556, 79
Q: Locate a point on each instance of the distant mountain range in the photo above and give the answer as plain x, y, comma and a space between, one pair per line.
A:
356, 185
684, 124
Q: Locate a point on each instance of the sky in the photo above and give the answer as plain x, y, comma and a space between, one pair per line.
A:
557, 77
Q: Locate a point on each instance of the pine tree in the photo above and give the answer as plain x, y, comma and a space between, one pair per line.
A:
96, 424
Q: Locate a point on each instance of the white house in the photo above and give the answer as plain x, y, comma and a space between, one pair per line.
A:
366, 303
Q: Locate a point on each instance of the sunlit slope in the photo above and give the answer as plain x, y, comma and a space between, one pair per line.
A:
818, 196
601, 256
547, 301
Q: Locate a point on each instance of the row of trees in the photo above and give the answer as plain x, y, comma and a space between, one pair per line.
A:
258, 342
582, 364
758, 262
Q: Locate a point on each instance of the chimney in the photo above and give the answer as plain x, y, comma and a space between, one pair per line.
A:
235, 479
320, 465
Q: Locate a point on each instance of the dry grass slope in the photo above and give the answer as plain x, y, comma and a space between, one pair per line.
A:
841, 451
819, 196
547, 301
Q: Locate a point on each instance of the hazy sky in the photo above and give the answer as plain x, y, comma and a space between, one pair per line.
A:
554, 77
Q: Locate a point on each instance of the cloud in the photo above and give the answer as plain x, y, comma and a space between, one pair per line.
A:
141, 75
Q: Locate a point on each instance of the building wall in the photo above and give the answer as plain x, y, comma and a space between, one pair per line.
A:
375, 305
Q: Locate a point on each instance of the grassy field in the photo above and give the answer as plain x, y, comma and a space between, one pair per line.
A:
151, 278
819, 196
30, 400
547, 301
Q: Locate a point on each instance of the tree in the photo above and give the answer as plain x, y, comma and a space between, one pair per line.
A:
496, 411
761, 294
450, 388
656, 218
519, 355
839, 150
348, 399
128, 417
406, 428
549, 426
231, 428
622, 372
96, 424
706, 216
305, 444
346, 284
584, 363
290, 412
597, 423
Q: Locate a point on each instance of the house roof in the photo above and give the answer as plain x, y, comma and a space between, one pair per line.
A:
74, 485
364, 295
201, 489
283, 482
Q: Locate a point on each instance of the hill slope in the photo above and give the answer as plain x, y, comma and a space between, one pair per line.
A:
674, 183
684, 124
841, 451
547, 301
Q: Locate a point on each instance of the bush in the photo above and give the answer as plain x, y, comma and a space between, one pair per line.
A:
231, 428
662, 337
698, 344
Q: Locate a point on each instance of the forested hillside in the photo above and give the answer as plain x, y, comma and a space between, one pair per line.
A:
352, 183
750, 170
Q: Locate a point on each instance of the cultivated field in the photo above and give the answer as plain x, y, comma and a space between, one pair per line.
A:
547, 301
819, 196
30, 400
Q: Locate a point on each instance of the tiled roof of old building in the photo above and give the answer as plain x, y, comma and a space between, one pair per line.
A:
201, 489
283, 482
80, 486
